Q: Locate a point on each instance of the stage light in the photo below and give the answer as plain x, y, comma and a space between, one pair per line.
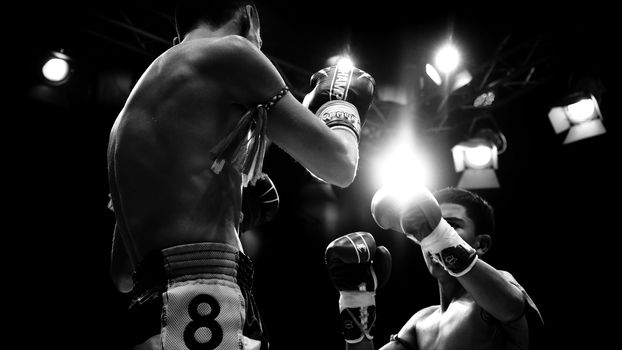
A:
57, 69
447, 58
477, 159
443, 71
578, 113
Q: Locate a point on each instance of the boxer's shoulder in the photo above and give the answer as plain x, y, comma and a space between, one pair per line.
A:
229, 47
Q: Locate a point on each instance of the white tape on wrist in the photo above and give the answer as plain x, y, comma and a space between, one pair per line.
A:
443, 236
449, 249
354, 299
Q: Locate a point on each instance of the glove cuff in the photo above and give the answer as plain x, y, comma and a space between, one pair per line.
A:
340, 114
357, 311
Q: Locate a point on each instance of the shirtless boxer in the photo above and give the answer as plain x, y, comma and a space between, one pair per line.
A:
480, 307
190, 138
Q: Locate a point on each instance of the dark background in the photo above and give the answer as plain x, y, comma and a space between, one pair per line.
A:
556, 207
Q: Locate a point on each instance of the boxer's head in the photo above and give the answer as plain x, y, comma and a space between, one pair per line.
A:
189, 14
472, 218
477, 208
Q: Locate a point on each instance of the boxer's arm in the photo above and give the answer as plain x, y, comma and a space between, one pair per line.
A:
406, 338
396, 345
330, 154
120, 264
393, 346
493, 292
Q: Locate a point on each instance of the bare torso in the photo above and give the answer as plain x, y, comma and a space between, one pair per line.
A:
463, 326
163, 190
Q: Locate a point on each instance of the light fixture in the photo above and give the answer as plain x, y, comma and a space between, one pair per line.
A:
57, 69
444, 70
579, 114
477, 157
447, 58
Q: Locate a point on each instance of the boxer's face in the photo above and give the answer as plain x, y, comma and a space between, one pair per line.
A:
456, 216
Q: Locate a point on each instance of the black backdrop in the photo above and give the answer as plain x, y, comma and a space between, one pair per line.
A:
556, 215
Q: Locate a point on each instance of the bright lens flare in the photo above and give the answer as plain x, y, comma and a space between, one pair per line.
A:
447, 58
55, 69
401, 168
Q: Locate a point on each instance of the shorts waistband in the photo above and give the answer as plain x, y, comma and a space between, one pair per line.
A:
189, 262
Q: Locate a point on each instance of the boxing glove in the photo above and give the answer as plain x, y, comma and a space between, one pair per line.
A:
341, 97
357, 268
260, 203
416, 213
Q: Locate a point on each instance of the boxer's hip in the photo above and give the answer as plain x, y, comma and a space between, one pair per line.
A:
202, 295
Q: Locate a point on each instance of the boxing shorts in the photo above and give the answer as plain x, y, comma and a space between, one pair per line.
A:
196, 296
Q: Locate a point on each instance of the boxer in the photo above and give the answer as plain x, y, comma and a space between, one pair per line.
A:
188, 143
480, 306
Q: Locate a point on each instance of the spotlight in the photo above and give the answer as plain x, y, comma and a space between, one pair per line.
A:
447, 58
57, 70
578, 113
477, 159
444, 70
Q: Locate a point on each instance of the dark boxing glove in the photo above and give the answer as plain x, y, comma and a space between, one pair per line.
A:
357, 268
341, 97
416, 213
260, 203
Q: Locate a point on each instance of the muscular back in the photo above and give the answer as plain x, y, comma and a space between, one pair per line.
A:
163, 190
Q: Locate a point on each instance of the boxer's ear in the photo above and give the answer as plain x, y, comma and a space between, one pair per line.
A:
482, 244
254, 27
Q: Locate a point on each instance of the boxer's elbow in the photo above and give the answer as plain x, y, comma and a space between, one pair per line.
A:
515, 309
345, 177
336, 161
347, 159
339, 172
122, 277
124, 284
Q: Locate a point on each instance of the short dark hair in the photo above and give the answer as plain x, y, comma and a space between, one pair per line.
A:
478, 209
189, 13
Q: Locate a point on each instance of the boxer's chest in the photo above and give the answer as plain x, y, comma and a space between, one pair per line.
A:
458, 327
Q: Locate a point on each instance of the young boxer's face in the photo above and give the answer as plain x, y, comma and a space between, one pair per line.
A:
456, 216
